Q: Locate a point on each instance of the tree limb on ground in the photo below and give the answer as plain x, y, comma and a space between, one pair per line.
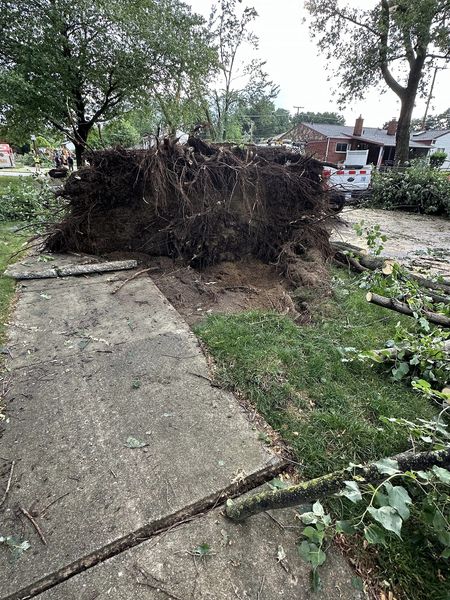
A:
354, 257
403, 308
310, 491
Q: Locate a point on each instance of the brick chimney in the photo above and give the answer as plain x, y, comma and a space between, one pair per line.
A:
358, 129
392, 127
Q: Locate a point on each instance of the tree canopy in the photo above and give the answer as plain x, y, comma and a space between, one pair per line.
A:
73, 64
332, 118
396, 42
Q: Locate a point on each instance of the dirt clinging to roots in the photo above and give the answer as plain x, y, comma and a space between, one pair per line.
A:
204, 204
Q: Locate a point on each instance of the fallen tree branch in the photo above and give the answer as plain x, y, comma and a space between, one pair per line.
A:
392, 353
327, 485
35, 525
403, 308
350, 255
8, 485
133, 277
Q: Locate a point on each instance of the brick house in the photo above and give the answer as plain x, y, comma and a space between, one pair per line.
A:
331, 142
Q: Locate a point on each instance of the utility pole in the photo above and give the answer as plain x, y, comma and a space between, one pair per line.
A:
430, 96
298, 109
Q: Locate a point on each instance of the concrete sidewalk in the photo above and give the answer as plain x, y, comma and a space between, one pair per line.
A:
117, 433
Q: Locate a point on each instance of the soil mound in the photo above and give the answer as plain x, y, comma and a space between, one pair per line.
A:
202, 203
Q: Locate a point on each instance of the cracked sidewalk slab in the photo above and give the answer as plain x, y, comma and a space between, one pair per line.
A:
61, 320
212, 558
72, 411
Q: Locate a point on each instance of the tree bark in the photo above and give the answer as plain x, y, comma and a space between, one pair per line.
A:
327, 485
407, 98
81, 136
403, 308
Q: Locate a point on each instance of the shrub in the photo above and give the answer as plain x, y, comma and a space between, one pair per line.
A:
438, 159
419, 189
28, 199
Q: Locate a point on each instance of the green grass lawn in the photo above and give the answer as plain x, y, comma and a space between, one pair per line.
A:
10, 243
328, 411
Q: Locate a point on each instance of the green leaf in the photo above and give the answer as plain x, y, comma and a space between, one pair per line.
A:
442, 474
345, 527
387, 466
351, 491
313, 534
308, 518
202, 550
398, 499
358, 584
444, 537
278, 484
374, 534
318, 509
388, 517
439, 523
133, 442
400, 371
15, 546
82, 344
446, 553
312, 554
136, 384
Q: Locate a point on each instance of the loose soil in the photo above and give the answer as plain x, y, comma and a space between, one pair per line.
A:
233, 287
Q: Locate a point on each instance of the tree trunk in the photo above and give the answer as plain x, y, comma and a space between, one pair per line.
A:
309, 491
404, 128
408, 99
81, 136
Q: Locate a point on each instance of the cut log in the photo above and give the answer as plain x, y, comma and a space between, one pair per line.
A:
310, 491
403, 308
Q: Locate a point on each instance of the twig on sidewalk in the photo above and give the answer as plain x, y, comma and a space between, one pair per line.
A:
154, 586
133, 277
8, 485
35, 525
44, 510
261, 588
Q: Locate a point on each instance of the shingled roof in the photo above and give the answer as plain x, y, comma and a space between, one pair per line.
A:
371, 135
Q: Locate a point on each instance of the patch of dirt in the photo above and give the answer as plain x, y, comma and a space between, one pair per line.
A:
231, 287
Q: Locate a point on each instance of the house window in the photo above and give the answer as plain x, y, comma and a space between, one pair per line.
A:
341, 147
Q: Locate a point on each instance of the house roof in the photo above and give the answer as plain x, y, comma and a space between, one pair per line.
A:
431, 134
372, 135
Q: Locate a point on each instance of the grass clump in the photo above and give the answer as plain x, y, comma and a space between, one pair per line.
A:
10, 242
328, 410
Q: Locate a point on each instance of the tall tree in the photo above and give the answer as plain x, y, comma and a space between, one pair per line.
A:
74, 64
440, 121
396, 42
231, 28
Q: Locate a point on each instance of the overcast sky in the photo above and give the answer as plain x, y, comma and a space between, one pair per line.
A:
294, 63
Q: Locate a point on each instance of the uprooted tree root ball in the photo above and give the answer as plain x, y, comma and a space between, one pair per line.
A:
198, 202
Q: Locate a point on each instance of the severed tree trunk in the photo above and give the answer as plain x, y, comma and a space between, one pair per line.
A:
310, 491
